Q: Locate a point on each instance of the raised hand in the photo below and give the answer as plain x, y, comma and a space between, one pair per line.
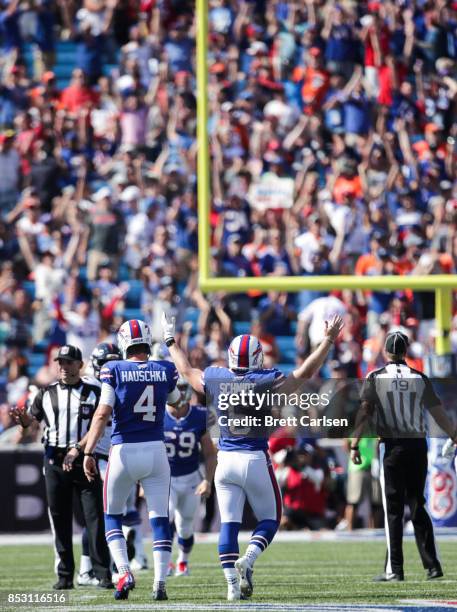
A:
333, 329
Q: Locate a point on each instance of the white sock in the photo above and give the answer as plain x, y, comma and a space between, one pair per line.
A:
139, 544
231, 575
118, 550
252, 552
161, 560
85, 565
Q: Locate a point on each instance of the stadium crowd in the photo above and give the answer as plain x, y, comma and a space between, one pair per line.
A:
333, 146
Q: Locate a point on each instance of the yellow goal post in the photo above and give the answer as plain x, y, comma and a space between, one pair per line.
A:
441, 284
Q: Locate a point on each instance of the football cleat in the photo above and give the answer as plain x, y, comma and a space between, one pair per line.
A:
159, 593
434, 572
105, 583
63, 584
171, 569
245, 572
125, 584
182, 569
139, 564
87, 579
392, 577
448, 450
234, 591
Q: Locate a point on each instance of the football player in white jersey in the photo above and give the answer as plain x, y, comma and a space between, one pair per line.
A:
244, 469
186, 431
135, 392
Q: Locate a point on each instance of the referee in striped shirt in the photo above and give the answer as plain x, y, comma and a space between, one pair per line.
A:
67, 407
394, 400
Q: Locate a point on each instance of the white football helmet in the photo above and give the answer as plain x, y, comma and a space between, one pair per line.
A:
132, 333
185, 389
245, 353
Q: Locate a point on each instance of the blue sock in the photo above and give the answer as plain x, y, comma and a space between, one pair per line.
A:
228, 544
161, 533
113, 527
131, 519
261, 537
185, 546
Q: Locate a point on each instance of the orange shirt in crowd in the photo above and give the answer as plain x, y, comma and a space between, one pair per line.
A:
74, 98
344, 185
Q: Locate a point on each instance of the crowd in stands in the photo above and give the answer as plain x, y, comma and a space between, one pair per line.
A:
333, 130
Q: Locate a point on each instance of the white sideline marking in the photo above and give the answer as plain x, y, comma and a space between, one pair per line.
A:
241, 607
448, 534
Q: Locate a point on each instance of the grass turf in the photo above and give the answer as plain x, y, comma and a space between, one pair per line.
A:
314, 572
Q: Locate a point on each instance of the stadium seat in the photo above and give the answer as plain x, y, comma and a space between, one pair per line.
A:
29, 287
36, 359
241, 327
285, 367
132, 313
133, 297
41, 347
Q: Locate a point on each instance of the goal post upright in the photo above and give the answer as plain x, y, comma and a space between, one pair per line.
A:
441, 284
203, 160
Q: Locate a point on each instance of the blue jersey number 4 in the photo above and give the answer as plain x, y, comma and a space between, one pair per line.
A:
146, 404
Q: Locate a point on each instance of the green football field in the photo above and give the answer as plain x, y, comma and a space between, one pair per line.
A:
293, 573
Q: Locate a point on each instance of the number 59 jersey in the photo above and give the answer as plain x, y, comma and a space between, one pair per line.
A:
138, 392
182, 437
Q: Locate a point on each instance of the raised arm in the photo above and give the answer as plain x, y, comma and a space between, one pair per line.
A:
316, 360
194, 376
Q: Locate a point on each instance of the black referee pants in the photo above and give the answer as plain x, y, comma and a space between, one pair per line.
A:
403, 475
60, 487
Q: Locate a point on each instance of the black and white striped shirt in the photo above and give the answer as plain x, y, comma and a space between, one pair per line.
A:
399, 395
67, 411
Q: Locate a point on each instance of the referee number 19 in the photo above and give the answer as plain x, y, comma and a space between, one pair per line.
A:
400, 384
145, 404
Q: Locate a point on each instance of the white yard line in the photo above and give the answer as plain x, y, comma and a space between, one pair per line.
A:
361, 535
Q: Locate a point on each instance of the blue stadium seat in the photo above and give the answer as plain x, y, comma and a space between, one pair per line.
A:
132, 313
29, 287
286, 345
65, 45
285, 367
241, 327
133, 296
123, 273
32, 370
36, 359
40, 347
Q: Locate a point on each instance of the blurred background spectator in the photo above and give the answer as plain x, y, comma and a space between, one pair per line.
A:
333, 151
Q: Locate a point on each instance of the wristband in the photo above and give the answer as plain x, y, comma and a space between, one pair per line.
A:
89, 454
76, 446
169, 341
355, 448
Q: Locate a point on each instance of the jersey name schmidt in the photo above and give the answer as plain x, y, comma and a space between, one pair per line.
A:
143, 376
